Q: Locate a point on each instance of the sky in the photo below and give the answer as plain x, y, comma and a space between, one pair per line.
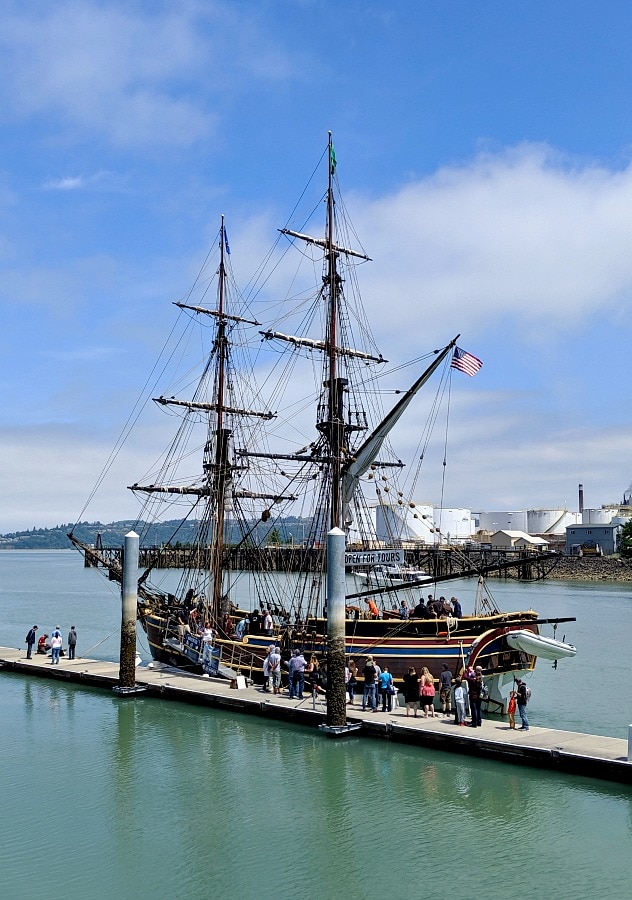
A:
484, 150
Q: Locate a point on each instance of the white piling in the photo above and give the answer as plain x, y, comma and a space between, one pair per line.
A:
127, 660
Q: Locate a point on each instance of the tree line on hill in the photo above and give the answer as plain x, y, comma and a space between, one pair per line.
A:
173, 533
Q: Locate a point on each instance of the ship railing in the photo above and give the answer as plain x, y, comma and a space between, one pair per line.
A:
236, 656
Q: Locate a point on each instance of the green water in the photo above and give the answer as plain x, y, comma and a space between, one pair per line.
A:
105, 798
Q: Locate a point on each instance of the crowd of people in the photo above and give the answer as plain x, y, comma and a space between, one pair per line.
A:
53, 642
432, 608
463, 696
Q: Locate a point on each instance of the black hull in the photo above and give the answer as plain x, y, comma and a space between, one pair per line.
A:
395, 643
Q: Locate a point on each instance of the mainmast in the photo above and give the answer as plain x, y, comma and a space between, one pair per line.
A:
334, 427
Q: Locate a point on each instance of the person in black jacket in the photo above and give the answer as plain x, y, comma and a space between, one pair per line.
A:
411, 690
30, 641
522, 698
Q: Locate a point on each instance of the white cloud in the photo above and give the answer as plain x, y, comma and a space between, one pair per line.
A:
524, 236
79, 182
139, 77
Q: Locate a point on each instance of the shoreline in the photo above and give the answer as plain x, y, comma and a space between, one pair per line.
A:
600, 568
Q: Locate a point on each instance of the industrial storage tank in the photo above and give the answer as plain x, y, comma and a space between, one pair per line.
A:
503, 521
455, 525
549, 521
597, 516
403, 522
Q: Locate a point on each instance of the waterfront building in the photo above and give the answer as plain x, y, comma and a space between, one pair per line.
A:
518, 540
600, 540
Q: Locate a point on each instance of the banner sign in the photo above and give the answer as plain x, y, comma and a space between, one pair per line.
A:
210, 663
192, 647
374, 558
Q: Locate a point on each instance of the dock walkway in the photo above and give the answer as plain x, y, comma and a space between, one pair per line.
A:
563, 751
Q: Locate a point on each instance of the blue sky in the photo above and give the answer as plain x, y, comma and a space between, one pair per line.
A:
484, 150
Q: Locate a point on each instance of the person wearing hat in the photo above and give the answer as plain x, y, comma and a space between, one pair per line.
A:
30, 641
521, 691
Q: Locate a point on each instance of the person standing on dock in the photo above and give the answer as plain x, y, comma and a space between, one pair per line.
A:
427, 693
72, 642
351, 680
55, 647
411, 690
522, 699
297, 666
30, 641
475, 691
459, 702
511, 709
445, 690
386, 689
370, 675
274, 670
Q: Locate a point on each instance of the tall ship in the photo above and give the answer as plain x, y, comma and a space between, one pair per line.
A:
294, 413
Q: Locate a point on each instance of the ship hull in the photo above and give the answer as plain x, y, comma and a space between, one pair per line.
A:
398, 644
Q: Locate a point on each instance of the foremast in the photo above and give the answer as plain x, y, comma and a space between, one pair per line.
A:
220, 472
215, 489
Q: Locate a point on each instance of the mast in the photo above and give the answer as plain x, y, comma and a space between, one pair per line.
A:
219, 471
335, 423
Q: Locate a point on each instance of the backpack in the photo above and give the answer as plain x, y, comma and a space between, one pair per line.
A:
484, 693
527, 692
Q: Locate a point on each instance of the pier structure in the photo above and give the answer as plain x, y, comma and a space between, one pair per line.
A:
573, 753
437, 562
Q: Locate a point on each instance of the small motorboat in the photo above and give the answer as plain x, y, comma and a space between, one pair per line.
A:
539, 645
392, 575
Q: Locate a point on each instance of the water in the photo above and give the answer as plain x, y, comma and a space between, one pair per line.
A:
108, 798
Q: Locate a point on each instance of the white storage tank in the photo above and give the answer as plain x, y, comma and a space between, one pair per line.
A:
454, 525
503, 521
547, 521
597, 516
395, 522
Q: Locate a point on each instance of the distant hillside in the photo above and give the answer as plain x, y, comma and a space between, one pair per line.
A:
113, 534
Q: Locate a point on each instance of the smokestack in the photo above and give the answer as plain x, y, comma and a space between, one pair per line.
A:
581, 498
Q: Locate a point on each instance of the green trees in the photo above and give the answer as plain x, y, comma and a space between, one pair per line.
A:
626, 539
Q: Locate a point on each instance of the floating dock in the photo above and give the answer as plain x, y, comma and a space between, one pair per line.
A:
561, 751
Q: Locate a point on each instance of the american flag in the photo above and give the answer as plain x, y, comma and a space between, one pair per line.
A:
465, 362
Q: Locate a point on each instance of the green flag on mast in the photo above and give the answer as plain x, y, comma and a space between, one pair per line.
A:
332, 159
